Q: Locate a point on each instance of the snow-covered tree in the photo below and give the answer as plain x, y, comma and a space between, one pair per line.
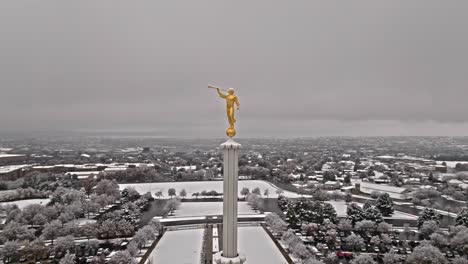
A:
365, 225
426, 254
68, 259
36, 248
331, 258
140, 239
367, 205
245, 191
52, 230
291, 239
329, 212
438, 240
373, 214
150, 231
17, 231
171, 192
348, 197
89, 230
107, 187
301, 252
257, 191
428, 228
158, 194
375, 240
99, 259
11, 249
132, 248
64, 244
39, 220
460, 238
313, 261
363, 259
354, 241
345, 225
460, 260
276, 224
384, 227
122, 257
391, 258
171, 205
386, 239
183, 193
254, 200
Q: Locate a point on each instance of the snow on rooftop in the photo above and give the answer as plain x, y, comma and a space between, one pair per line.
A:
382, 187
10, 168
11, 155
386, 157
5, 149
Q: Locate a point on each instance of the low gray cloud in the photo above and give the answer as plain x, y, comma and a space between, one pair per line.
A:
300, 68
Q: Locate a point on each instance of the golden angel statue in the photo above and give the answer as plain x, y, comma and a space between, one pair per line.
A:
231, 100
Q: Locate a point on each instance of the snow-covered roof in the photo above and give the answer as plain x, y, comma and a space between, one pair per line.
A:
193, 167
11, 155
11, 168
382, 187
385, 157
82, 173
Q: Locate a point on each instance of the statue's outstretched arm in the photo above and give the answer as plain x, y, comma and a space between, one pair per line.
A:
221, 94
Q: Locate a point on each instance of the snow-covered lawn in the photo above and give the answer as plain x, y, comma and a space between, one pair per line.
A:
257, 246
84, 221
451, 164
23, 203
208, 208
178, 247
341, 208
199, 186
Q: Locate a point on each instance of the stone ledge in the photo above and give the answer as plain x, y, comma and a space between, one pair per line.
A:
219, 259
231, 144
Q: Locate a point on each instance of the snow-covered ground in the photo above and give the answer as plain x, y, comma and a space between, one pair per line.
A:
208, 208
199, 186
178, 247
257, 246
451, 164
341, 208
23, 203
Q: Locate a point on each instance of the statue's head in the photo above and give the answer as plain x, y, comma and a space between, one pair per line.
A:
231, 90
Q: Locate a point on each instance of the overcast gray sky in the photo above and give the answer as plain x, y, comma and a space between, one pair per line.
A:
300, 68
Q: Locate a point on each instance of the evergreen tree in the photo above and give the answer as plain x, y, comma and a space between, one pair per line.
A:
373, 214
355, 213
385, 204
367, 205
347, 179
329, 213
348, 197
428, 214
462, 217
